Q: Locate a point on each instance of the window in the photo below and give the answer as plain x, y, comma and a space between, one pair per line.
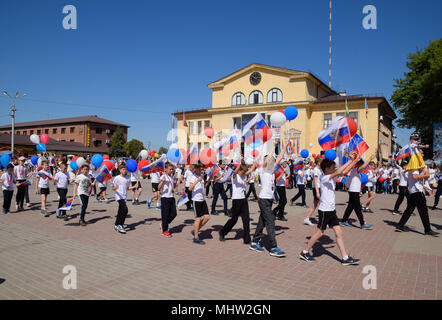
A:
31, 132
98, 130
54, 131
191, 127
237, 123
274, 95
72, 140
63, 130
24, 132
38, 132
98, 143
206, 123
352, 115
238, 99
327, 120
47, 131
200, 127
72, 130
17, 132
255, 97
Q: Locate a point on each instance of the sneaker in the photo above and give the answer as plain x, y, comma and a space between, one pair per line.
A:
148, 203
291, 203
276, 252
282, 218
28, 204
221, 237
115, 227
305, 206
158, 207
121, 229
167, 234
5, 211
214, 213
308, 222
307, 257
198, 241
133, 202
42, 212
367, 226
256, 247
350, 261
345, 224
432, 233
396, 213
66, 218
363, 208
369, 210
137, 202
82, 223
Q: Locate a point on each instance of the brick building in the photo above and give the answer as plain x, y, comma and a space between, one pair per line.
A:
90, 131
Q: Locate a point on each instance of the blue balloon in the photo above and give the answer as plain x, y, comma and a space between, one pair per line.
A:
173, 155
306, 176
291, 113
364, 179
41, 147
304, 153
301, 162
74, 165
131, 165
330, 154
34, 160
5, 159
97, 160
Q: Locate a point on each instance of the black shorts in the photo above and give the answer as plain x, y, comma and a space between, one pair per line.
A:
102, 190
315, 198
134, 183
44, 190
200, 208
370, 188
327, 218
155, 187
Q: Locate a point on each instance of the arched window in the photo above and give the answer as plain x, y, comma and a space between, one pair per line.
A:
255, 97
274, 95
238, 99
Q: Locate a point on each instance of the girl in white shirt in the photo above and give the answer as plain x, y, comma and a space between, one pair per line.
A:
8, 180
62, 180
42, 185
120, 185
168, 206
370, 187
240, 206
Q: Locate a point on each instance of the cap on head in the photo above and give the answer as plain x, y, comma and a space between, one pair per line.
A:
22, 158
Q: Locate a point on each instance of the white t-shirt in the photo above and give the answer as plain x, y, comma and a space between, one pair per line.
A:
239, 187
403, 177
84, 184
395, 173
123, 184
327, 200
198, 190
187, 175
167, 190
281, 181
134, 176
355, 181
267, 182
8, 181
300, 179
370, 177
178, 173
414, 185
20, 172
432, 178
317, 173
155, 177
252, 176
102, 184
62, 179
44, 182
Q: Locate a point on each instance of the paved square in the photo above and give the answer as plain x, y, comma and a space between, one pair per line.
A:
143, 264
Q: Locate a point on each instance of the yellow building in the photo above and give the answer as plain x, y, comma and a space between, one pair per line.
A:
237, 97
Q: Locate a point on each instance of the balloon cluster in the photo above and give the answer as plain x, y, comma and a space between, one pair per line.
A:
40, 142
278, 119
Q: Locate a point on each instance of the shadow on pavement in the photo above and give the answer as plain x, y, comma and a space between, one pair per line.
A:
394, 224
207, 233
319, 248
132, 226
92, 221
2, 280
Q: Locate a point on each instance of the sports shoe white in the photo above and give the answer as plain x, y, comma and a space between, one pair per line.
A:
121, 229
308, 222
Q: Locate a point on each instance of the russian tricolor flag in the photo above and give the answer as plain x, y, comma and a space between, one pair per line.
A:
102, 174
215, 170
68, 205
335, 135
156, 166
182, 200
279, 172
44, 175
256, 123
403, 153
358, 144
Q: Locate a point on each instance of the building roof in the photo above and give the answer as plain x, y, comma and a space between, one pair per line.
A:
52, 145
91, 118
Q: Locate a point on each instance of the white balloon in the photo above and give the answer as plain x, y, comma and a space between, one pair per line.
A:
35, 139
144, 154
277, 119
80, 161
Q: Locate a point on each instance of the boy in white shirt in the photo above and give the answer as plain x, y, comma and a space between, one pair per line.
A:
168, 206
82, 187
155, 178
62, 180
42, 185
8, 180
327, 210
135, 181
120, 185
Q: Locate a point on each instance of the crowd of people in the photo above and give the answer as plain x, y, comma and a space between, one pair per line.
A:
191, 185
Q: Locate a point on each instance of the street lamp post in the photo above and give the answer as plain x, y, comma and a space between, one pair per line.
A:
13, 117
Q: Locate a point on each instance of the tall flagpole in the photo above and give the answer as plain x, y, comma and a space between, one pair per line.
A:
330, 47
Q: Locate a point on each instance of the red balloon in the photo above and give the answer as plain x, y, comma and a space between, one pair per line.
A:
266, 134
44, 138
105, 157
352, 126
208, 157
282, 111
255, 153
184, 154
209, 132
75, 158
193, 159
381, 180
314, 156
142, 164
109, 165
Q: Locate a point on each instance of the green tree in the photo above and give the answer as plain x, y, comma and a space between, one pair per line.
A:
133, 147
116, 147
418, 97
162, 150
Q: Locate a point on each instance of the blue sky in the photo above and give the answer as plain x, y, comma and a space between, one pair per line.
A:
135, 62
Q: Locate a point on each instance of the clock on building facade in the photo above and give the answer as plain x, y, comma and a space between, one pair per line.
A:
255, 78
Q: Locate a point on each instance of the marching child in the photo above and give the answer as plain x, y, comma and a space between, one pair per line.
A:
135, 180
155, 178
196, 186
8, 180
327, 211
371, 175
82, 187
168, 206
61, 180
42, 185
416, 160
120, 185
316, 173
